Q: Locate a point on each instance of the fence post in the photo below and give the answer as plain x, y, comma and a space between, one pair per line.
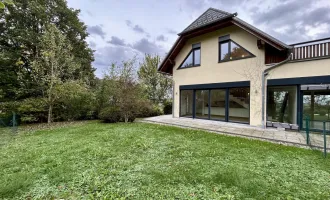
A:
307, 130
14, 122
325, 140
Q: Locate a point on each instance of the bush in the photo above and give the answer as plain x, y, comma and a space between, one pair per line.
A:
75, 102
110, 114
33, 110
322, 113
147, 109
167, 107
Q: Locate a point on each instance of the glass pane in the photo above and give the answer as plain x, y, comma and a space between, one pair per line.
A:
237, 52
224, 51
188, 62
218, 104
282, 104
202, 104
316, 105
197, 53
239, 104
186, 103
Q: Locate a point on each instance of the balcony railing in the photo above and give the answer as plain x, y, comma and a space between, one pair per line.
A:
311, 50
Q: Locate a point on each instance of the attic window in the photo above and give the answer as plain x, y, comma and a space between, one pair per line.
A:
230, 50
194, 57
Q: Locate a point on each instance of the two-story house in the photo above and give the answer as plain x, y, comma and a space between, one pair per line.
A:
228, 70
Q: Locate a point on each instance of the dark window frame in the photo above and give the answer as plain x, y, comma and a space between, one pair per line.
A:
193, 49
226, 39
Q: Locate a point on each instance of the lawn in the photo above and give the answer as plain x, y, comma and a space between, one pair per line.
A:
91, 160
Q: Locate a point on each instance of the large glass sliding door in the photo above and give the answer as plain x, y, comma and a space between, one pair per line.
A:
218, 104
239, 105
186, 103
282, 104
202, 104
316, 106
212, 104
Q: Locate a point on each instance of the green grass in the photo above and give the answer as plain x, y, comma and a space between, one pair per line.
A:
146, 161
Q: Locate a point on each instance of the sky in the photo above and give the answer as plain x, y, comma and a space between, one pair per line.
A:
121, 29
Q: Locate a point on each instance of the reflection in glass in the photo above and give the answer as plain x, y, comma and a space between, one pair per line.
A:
239, 105
186, 103
237, 51
197, 56
282, 104
202, 101
218, 104
224, 51
188, 62
316, 106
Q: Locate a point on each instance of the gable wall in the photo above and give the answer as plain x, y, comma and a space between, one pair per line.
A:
211, 71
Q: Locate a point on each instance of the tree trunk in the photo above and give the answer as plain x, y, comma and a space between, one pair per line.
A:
312, 106
50, 113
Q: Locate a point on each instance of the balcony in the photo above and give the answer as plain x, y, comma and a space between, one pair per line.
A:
316, 49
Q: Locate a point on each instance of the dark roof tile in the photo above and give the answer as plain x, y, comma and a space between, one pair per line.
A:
208, 17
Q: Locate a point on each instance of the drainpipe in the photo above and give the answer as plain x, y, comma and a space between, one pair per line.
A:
264, 74
170, 77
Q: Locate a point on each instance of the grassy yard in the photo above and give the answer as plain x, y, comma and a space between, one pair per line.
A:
146, 161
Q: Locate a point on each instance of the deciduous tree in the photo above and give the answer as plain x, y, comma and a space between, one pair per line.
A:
157, 86
55, 65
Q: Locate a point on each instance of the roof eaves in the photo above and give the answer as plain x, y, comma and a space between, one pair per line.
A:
169, 53
271, 38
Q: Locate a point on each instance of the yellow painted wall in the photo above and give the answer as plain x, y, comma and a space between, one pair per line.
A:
302, 69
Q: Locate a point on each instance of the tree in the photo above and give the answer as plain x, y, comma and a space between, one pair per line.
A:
8, 2
157, 86
55, 65
120, 92
21, 29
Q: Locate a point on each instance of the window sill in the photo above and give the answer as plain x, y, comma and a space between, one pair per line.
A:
221, 61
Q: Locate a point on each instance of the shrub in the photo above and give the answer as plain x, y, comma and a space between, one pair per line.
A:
110, 114
322, 113
33, 110
75, 102
167, 107
147, 109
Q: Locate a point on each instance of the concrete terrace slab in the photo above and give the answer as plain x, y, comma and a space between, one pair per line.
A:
241, 130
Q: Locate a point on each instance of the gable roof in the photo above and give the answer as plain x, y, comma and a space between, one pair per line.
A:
211, 15
213, 19
249, 26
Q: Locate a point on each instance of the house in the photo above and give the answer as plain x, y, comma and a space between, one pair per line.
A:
228, 70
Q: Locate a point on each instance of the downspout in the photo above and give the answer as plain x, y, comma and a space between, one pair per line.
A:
264, 74
167, 75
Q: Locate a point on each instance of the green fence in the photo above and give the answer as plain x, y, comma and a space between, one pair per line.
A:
10, 121
317, 134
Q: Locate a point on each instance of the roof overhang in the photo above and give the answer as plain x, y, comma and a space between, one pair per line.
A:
167, 64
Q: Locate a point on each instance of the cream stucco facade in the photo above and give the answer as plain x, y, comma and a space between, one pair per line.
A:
249, 69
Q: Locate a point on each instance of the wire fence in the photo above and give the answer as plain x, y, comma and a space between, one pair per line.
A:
317, 134
9, 121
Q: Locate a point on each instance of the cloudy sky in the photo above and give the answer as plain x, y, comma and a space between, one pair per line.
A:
120, 29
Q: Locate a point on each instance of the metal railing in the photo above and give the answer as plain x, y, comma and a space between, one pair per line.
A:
317, 133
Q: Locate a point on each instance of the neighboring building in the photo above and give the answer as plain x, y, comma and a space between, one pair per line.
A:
218, 63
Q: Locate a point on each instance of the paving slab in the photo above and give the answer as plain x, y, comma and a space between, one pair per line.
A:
243, 130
